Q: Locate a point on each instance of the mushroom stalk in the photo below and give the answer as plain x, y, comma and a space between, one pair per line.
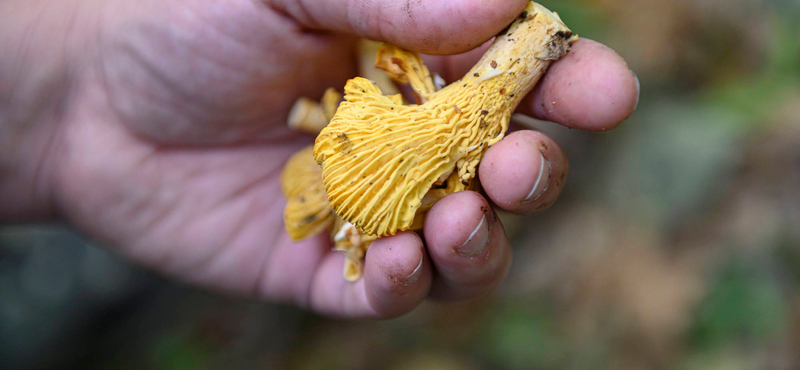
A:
517, 59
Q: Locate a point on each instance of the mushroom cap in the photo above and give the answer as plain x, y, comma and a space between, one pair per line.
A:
307, 210
380, 159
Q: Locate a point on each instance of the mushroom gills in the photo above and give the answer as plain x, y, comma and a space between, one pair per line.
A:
380, 159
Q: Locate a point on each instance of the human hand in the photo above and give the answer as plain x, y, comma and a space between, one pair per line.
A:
171, 136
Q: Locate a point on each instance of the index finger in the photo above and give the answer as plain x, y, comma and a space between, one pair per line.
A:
590, 88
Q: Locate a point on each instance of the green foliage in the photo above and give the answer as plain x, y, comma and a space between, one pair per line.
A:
178, 352
524, 337
744, 306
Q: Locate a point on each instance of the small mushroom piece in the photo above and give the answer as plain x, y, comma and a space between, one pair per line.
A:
406, 67
307, 115
330, 101
353, 243
367, 49
307, 210
380, 159
311, 117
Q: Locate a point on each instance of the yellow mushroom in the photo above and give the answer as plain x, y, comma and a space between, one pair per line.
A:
353, 243
367, 49
307, 210
406, 67
311, 117
380, 159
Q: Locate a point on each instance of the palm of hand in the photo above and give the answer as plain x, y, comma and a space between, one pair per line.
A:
184, 175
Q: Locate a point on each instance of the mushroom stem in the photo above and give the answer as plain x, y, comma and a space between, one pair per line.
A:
515, 62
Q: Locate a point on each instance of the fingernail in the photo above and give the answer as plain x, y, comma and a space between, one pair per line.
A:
414, 275
477, 241
638, 89
542, 180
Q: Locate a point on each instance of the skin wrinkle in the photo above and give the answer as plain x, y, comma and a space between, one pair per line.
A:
146, 247
26, 44
99, 66
33, 190
136, 208
114, 96
283, 15
407, 10
381, 21
305, 14
199, 269
228, 240
310, 288
253, 184
262, 280
161, 259
44, 163
236, 233
213, 58
354, 13
115, 107
166, 209
188, 99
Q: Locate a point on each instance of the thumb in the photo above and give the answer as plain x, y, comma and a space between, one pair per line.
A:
428, 26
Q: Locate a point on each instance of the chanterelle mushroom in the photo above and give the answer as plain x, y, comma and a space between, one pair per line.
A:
307, 209
306, 212
310, 116
380, 159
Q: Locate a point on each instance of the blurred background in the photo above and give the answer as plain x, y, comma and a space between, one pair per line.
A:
675, 244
